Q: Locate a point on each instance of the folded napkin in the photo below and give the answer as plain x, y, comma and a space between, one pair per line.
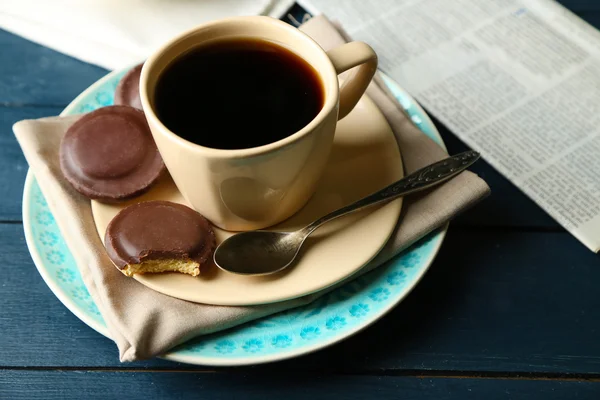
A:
117, 33
145, 323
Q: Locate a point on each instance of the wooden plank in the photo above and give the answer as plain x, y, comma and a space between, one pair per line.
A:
31, 74
499, 301
62, 385
13, 166
581, 7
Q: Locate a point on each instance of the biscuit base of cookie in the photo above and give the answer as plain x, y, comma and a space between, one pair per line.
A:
189, 267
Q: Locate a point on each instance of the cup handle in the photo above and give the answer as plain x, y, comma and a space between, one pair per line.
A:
347, 56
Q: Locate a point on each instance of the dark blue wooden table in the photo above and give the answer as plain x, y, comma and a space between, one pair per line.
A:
510, 308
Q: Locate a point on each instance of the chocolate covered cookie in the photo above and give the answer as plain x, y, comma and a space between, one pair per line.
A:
127, 92
159, 236
109, 154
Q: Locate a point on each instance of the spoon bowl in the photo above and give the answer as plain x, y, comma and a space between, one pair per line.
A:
259, 252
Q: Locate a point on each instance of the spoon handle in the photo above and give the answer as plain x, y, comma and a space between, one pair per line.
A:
421, 179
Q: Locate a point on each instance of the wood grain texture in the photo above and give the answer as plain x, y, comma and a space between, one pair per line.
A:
584, 8
31, 74
64, 385
499, 301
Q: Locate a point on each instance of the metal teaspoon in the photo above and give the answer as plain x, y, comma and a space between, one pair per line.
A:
265, 252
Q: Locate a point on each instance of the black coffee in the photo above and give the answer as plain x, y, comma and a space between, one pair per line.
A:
238, 94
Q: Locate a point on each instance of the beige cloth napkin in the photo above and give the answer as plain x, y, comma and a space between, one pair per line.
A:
145, 323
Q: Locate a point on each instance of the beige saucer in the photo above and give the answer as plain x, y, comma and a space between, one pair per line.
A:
364, 158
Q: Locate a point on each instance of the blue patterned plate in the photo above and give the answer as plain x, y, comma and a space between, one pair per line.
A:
331, 318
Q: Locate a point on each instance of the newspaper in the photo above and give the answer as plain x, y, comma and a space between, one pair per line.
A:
517, 80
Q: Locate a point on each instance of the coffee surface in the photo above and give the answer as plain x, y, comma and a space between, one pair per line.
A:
237, 94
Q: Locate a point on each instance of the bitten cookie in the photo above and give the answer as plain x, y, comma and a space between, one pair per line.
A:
159, 236
109, 154
127, 92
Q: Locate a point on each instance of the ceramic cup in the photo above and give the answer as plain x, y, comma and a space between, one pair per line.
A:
257, 187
